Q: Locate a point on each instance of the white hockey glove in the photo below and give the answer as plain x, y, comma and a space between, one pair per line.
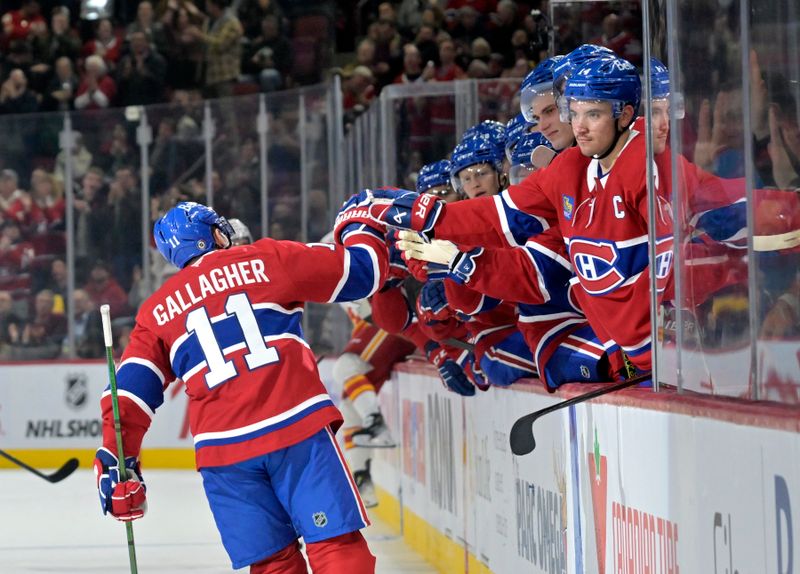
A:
416, 246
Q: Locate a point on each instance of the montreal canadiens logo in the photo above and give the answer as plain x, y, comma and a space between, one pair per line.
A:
594, 263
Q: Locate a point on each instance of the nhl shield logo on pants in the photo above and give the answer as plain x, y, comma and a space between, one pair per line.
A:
320, 519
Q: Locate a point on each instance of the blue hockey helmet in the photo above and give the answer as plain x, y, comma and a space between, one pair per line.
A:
433, 175
515, 129
613, 80
473, 151
565, 67
492, 128
538, 82
521, 158
187, 231
659, 84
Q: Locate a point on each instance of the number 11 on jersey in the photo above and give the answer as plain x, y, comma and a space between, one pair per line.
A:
219, 369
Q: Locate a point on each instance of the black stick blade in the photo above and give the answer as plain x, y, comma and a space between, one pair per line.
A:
66, 469
521, 437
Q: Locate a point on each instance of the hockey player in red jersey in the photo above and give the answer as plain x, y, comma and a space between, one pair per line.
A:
228, 325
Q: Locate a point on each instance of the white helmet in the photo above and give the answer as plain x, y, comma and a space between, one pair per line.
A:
241, 233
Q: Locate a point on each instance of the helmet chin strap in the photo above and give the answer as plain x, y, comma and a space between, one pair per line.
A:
618, 134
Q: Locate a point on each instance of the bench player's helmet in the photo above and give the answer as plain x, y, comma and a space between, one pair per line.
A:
187, 231
614, 80
241, 233
538, 82
515, 129
433, 175
565, 67
495, 130
521, 159
659, 85
474, 151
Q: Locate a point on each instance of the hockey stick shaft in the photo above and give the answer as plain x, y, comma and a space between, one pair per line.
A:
105, 313
63, 472
521, 437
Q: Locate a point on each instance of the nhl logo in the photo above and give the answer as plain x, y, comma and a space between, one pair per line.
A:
320, 519
585, 372
77, 390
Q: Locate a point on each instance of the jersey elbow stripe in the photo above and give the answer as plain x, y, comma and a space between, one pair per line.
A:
501, 214
142, 382
144, 363
265, 426
124, 395
362, 275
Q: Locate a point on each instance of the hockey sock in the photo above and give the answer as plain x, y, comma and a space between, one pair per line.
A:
345, 554
362, 396
357, 458
286, 561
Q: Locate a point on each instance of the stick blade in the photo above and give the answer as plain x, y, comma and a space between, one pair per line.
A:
66, 469
521, 437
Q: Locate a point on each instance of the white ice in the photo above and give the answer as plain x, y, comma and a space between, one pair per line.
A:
48, 527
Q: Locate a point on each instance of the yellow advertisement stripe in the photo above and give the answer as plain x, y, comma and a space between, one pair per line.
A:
166, 458
445, 554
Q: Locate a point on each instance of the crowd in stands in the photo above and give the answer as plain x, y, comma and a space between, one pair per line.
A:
54, 58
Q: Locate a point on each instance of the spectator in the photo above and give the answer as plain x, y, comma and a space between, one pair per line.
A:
469, 27
81, 160
11, 324
409, 16
17, 23
105, 44
42, 336
359, 90
619, 40
43, 209
222, 40
60, 42
124, 214
478, 69
413, 70
10, 193
253, 12
57, 283
386, 12
15, 252
97, 89
88, 327
146, 24
502, 24
388, 52
185, 51
271, 56
60, 93
103, 289
141, 74
448, 70
481, 50
426, 43
88, 215
15, 97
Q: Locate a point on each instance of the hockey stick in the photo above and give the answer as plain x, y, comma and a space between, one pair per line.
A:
105, 313
521, 436
786, 240
66, 469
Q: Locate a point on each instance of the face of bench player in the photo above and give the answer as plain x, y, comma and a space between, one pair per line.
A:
594, 125
443, 192
545, 112
479, 180
659, 121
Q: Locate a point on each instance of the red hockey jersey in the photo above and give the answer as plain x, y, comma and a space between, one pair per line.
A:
229, 326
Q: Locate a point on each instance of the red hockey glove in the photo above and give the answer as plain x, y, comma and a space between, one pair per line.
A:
123, 500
